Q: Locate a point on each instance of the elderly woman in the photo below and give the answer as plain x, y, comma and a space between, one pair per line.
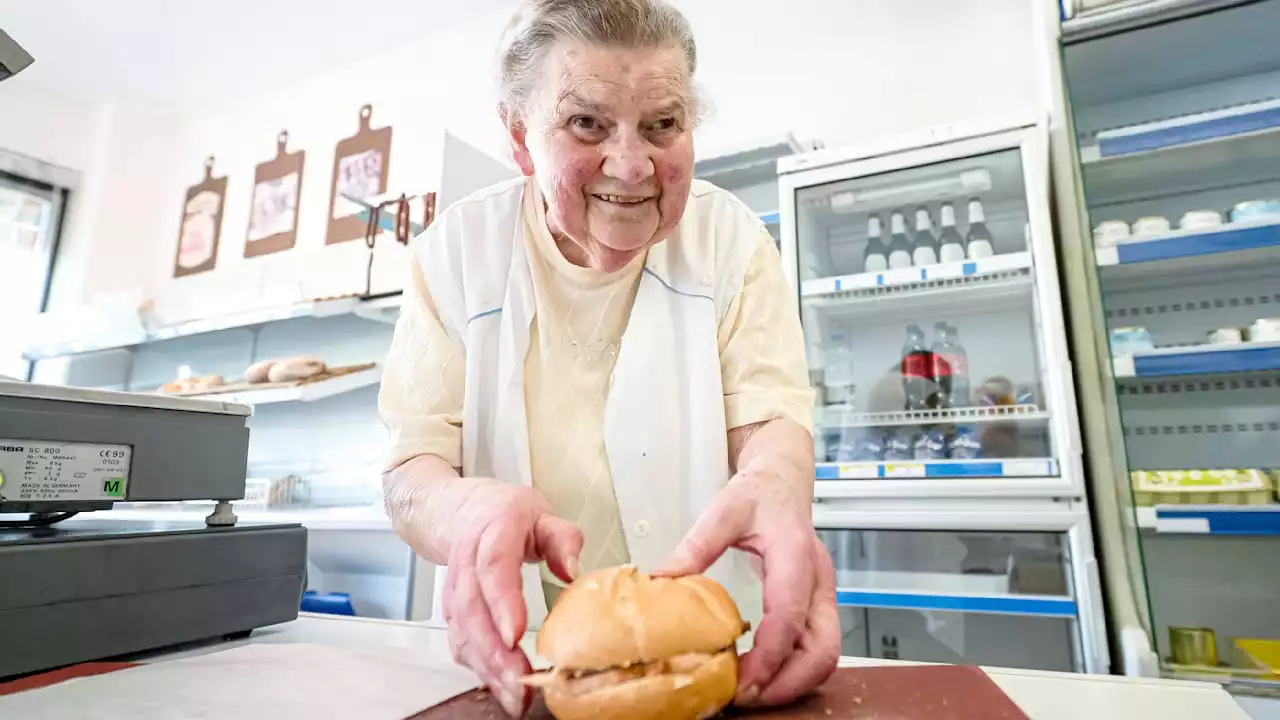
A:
601, 363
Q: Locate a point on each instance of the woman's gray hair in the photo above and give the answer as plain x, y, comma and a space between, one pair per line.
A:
539, 24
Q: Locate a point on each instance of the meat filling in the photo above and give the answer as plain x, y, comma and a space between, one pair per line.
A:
579, 682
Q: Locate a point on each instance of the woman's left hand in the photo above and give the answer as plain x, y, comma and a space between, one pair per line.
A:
797, 644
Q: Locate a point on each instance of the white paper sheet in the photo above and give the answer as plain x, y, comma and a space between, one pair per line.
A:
268, 681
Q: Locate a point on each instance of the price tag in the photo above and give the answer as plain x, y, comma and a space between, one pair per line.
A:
53, 471
858, 472
904, 470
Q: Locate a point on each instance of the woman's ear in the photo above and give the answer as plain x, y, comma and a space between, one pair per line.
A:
517, 135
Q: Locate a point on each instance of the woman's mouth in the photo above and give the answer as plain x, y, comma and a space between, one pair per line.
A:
622, 199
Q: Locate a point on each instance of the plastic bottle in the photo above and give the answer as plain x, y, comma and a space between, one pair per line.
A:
916, 369
960, 394
837, 361
940, 368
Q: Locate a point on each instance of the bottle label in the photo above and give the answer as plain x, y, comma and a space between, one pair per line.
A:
899, 259
876, 263
979, 249
917, 365
952, 253
942, 366
924, 256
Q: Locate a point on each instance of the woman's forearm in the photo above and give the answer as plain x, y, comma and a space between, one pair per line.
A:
421, 497
781, 448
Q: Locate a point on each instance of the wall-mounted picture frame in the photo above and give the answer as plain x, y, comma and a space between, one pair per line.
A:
201, 225
273, 214
360, 168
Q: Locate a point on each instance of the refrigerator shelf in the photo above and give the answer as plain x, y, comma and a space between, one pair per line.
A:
1226, 242
971, 282
1046, 606
1211, 519
1207, 127
1199, 360
840, 416
979, 468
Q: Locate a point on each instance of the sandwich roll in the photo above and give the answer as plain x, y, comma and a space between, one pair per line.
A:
296, 368
630, 647
259, 372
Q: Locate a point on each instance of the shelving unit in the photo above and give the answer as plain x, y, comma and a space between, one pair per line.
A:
1202, 360
843, 416
1191, 123
1211, 519
307, 392
979, 468
139, 333
1214, 248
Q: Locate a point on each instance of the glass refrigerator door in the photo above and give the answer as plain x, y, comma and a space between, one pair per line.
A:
926, 282
1183, 193
1004, 599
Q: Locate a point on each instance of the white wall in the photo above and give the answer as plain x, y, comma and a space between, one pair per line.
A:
836, 71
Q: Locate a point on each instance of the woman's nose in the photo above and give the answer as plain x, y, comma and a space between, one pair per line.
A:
628, 159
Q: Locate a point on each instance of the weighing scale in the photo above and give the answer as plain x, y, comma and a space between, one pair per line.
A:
94, 588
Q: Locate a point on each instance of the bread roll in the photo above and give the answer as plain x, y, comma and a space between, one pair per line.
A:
259, 371
631, 647
296, 368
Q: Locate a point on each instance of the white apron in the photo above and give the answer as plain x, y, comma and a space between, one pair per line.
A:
665, 433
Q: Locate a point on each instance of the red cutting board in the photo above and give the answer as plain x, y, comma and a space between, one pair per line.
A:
910, 692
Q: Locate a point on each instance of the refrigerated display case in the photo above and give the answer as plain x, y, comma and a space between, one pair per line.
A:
949, 487
1179, 169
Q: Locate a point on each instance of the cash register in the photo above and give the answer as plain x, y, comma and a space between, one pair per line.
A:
76, 586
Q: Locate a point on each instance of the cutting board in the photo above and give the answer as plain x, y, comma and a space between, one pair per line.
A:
920, 692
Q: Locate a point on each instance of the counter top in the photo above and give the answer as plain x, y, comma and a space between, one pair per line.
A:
1041, 695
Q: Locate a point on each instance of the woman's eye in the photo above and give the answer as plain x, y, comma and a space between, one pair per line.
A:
584, 122
665, 124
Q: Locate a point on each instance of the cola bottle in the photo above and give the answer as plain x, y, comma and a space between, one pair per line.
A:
940, 370
916, 369
958, 360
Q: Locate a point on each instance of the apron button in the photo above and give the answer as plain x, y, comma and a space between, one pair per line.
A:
642, 528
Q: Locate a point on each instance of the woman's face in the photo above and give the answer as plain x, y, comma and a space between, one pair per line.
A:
608, 138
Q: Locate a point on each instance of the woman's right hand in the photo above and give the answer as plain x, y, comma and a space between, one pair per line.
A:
496, 530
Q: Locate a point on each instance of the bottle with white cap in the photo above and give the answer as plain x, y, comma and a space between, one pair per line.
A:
925, 249
979, 241
952, 242
899, 245
876, 257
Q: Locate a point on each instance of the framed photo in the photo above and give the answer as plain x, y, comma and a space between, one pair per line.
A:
201, 224
273, 215
360, 165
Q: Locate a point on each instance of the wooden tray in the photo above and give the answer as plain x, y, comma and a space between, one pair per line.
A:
243, 386
916, 692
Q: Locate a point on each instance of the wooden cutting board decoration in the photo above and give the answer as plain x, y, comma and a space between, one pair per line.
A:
360, 166
273, 214
201, 224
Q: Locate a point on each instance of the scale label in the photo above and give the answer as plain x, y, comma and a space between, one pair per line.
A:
53, 470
